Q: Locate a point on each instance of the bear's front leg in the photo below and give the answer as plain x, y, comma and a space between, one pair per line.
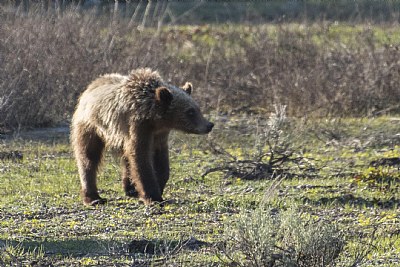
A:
139, 152
161, 165
127, 183
161, 159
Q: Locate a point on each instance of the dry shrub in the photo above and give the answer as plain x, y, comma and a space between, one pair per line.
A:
324, 79
274, 237
266, 237
275, 153
48, 57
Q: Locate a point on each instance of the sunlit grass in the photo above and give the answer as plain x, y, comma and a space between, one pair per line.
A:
41, 210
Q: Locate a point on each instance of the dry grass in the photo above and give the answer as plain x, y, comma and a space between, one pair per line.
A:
47, 59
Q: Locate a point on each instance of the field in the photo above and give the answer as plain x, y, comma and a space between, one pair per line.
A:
301, 169
328, 179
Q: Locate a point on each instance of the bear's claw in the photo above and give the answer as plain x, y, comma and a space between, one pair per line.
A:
100, 201
132, 193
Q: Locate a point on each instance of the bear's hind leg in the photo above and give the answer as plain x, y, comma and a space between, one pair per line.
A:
88, 147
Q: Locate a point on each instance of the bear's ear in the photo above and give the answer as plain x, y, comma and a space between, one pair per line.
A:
188, 87
163, 96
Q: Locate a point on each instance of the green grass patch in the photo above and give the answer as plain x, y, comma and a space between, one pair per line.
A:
42, 219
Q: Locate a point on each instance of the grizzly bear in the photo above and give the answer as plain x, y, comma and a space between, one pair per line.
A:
132, 115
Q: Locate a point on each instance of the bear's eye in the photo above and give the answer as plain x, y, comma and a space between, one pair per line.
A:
191, 112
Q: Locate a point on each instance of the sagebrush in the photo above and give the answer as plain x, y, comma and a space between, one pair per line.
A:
48, 58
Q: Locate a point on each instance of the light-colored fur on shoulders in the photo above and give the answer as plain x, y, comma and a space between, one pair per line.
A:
107, 79
113, 101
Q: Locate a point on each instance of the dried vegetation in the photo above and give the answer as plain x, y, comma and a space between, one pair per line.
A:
48, 56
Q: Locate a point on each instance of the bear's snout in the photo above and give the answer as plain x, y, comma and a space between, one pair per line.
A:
210, 125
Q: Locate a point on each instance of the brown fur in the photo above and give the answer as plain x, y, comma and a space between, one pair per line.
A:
132, 115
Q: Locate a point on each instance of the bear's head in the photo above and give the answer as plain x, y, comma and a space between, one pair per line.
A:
180, 111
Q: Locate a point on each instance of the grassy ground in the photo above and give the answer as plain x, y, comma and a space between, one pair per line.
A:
43, 222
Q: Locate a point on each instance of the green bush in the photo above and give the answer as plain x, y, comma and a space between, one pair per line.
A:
268, 237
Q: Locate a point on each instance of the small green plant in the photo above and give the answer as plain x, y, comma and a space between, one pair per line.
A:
17, 255
383, 178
